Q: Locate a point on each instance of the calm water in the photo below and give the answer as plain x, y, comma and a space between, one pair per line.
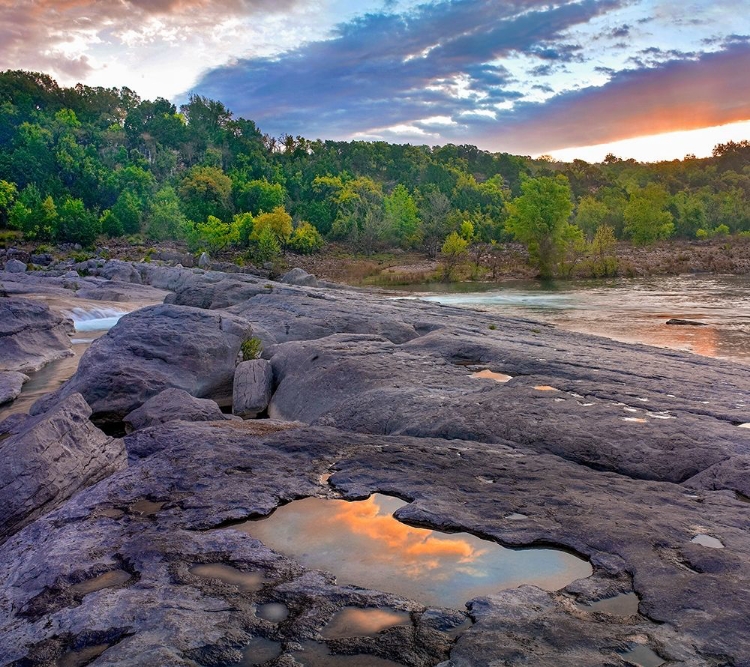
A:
364, 545
630, 310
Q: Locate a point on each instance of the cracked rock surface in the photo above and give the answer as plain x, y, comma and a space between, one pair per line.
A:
622, 454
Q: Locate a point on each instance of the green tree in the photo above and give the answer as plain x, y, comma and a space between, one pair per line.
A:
127, 212
646, 217
33, 215
402, 218
433, 211
206, 191
75, 224
110, 224
539, 219
454, 249
590, 215
8, 194
165, 218
258, 196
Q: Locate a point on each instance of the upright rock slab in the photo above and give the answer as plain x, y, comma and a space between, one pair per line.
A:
31, 335
48, 458
253, 388
151, 350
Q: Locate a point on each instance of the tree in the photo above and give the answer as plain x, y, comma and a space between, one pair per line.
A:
539, 219
306, 239
278, 222
33, 215
8, 194
590, 215
402, 217
454, 249
165, 218
127, 214
434, 210
206, 191
76, 224
646, 219
258, 196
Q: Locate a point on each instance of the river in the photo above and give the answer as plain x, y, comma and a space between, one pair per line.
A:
629, 310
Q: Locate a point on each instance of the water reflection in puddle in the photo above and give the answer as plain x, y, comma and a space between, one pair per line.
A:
145, 508
355, 622
258, 652
625, 604
317, 655
707, 541
642, 656
363, 545
106, 580
245, 581
82, 657
545, 387
490, 375
275, 612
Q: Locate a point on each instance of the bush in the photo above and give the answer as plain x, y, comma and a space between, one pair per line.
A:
306, 240
251, 349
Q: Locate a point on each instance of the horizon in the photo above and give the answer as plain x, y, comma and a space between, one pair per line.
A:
651, 80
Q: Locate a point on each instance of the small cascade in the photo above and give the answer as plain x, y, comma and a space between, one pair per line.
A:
95, 319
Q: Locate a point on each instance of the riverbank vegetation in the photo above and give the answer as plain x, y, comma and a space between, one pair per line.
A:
78, 163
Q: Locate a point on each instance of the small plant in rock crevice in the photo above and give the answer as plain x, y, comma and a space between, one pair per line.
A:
251, 349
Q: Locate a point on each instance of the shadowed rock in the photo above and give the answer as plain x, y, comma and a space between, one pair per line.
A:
11, 384
172, 404
48, 459
253, 387
154, 349
300, 277
31, 335
15, 266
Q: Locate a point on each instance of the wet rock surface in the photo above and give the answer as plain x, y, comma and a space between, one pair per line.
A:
45, 460
622, 454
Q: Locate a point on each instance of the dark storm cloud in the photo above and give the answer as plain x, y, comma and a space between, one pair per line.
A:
678, 95
389, 69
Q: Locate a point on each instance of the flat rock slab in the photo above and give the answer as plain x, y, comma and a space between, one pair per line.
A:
154, 349
31, 335
49, 458
253, 388
11, 384
170, 405
200, 477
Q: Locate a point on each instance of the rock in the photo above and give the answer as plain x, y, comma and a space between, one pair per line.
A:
204, 261
42, 259
71, 275
253, 388
31, 335
52, 457
120, 271
151, 350
15, 266
10, 385
686, 323
172, 404
299, 276
204, 291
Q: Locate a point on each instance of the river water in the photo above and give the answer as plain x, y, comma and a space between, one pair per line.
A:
629, 310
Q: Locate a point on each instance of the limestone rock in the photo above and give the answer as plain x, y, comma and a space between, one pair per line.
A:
204, 261
15, 266
253, 388
11, 383
172, 404
151, 350
299, 276
31, 335
120, 271
50, 458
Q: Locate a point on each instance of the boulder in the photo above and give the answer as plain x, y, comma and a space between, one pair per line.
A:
172, 404
50, 458
685, 323
204, 261
10, 385
31, 335
253, 388
15, 266
299, 276
42, 259
120, 271
151, 350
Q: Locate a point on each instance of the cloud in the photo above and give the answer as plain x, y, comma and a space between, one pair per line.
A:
677, 95
385, 69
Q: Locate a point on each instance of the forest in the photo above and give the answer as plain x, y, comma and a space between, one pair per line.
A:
76, 163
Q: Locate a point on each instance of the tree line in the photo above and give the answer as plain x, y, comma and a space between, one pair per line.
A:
82, 161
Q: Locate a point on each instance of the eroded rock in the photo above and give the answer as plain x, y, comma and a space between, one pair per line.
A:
172, 404
11, 384
253, 388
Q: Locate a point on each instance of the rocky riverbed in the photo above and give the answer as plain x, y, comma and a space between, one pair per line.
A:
635, 459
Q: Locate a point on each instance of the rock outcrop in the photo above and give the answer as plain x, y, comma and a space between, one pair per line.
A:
45, 460
253, 387
31, 335
170, 405
151, 350
15, 266
11, 384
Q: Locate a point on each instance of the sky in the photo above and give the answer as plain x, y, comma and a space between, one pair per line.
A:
647, 79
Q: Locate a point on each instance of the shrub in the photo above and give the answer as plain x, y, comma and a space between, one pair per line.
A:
306, 240
251, 349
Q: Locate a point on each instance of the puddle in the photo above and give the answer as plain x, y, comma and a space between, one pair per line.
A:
82, 657
145, 508
636, 420
489, 375
245, 581
707, 541
545, 387
625, 604
516, 517
275, 612
363, 545
106, 580
642, 656
258, 652
356, 622
112, 513
317, 655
